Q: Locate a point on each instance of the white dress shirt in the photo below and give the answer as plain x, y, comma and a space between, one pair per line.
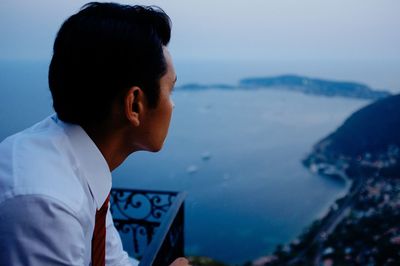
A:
52, 179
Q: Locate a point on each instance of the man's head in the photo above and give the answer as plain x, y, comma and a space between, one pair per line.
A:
103, 51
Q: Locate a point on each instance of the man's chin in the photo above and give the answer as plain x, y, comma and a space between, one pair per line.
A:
154, 148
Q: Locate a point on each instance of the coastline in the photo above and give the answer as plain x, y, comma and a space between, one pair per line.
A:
373, 199
325, 171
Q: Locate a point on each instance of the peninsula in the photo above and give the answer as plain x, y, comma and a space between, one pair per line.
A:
299, 84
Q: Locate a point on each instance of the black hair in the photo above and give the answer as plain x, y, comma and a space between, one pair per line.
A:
103, 50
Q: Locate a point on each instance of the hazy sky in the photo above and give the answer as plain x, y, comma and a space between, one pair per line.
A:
228, 29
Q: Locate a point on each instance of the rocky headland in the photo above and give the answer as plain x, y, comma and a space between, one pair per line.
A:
300, 84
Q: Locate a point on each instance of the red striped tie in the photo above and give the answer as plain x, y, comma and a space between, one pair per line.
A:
99, 236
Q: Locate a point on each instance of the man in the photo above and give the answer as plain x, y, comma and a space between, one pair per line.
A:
111, 77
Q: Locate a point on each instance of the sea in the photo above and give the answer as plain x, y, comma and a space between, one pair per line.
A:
237, 153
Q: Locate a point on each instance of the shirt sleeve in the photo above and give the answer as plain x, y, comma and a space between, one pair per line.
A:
115, 255
39, 230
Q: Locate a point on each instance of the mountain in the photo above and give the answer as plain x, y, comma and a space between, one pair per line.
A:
372, 129
367, 142
299, 84
315, 86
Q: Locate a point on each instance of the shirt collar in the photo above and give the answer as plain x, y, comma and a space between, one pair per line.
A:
90, 160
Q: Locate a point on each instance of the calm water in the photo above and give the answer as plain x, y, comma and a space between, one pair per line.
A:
237, 154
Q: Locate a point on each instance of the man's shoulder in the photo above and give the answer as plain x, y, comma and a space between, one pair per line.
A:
38, 161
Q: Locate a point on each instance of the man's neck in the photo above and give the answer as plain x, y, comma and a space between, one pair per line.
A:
110, 145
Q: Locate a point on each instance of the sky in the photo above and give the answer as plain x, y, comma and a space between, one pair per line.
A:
222, 41
228, 29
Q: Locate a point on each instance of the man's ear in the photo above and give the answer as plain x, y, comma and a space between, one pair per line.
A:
133, 105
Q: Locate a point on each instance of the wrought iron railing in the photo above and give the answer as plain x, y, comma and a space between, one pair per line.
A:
151, 224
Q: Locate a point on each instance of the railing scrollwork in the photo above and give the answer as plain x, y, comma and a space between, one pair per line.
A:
150, 224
